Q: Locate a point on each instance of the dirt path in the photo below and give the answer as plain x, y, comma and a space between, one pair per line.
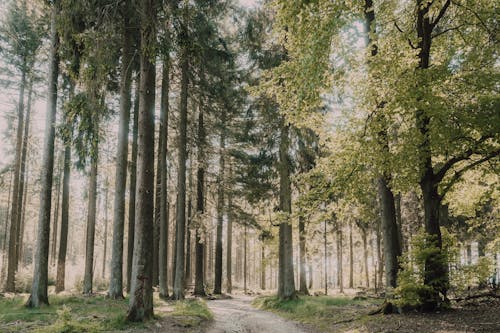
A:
238, 316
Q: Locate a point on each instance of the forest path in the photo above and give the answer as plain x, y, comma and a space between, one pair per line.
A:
237, 315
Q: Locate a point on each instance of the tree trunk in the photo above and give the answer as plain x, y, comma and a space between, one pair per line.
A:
105, 245
6, 228
40, 274
365, 256
229, 245
178, 292
262, 266
302, 257
91, 218
133, 183
310, 274
286, 283
55, 216
340, 259
116, 274
351, 258
141, 291
164, 213
220, 209
63, 238
245, 259
17, 191
325, 250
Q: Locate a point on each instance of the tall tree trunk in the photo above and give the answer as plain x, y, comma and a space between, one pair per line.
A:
286, 283
105, 245
199, 283
6, 228
163, 246
188, 226
262, 266
22, 222
392, 245
365, 256
340, 259
302, 257
141, 291
310, 285
40, 274
133, 183
91, 219
325, 250
21, 205
17, 191
229, 245
116, 274
220, 208
351, 258
178, 292
63, 238
245, 234
55, 216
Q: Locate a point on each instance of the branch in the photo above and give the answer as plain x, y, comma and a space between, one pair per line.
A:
441, 14
460, 172
409, 40
447, 30
465, 155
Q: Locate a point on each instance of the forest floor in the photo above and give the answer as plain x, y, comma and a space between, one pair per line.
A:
347, 315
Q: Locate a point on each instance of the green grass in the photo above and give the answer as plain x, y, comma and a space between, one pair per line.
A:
191, 313
322, 312
64, 314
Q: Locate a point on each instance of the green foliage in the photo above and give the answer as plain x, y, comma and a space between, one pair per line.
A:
474, 275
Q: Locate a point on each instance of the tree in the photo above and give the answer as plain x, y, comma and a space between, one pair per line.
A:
39, 286
116, 278
141, 292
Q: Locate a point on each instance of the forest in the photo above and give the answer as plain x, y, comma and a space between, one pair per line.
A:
281, 166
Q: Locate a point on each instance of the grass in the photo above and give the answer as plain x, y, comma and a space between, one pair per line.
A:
322, 312
190, 313
64, 314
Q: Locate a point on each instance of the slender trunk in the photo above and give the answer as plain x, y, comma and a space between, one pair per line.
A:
229, 245
105, 245
17, 191
141, 291
286, 283
302, 257
40, 274
365, 256
220, 209
325, 264
188, 235
178, 292
63, 237
55, 216
23, 173
340, 259
6, 228
163, 246
351, 258
262, 266
116, 274
133, 183
310, 266
245, 259
157, 204
199, 283
91, 219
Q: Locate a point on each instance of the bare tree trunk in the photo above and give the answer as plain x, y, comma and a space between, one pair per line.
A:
132, 189
351, 258
365, 256
325, 243
55, 217
141, 291
179, 283
40, 274
220, 208
6, 229
340, 259
63, 238
302, 257
17, 191
245, 259
229, 245
105, 245
262, 266
286, 285
164, 213
91, 219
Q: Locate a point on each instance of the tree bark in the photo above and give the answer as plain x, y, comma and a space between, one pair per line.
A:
163, 246
302, 257
17, 191
132, 188
91, 219
340, 259
116, 274
365, 256
220, 208
141, 291
286, 283
351, 258
63, 237
55, 217
39, 295
229, 245
6, 228
105, 245
245, 259
178, 289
